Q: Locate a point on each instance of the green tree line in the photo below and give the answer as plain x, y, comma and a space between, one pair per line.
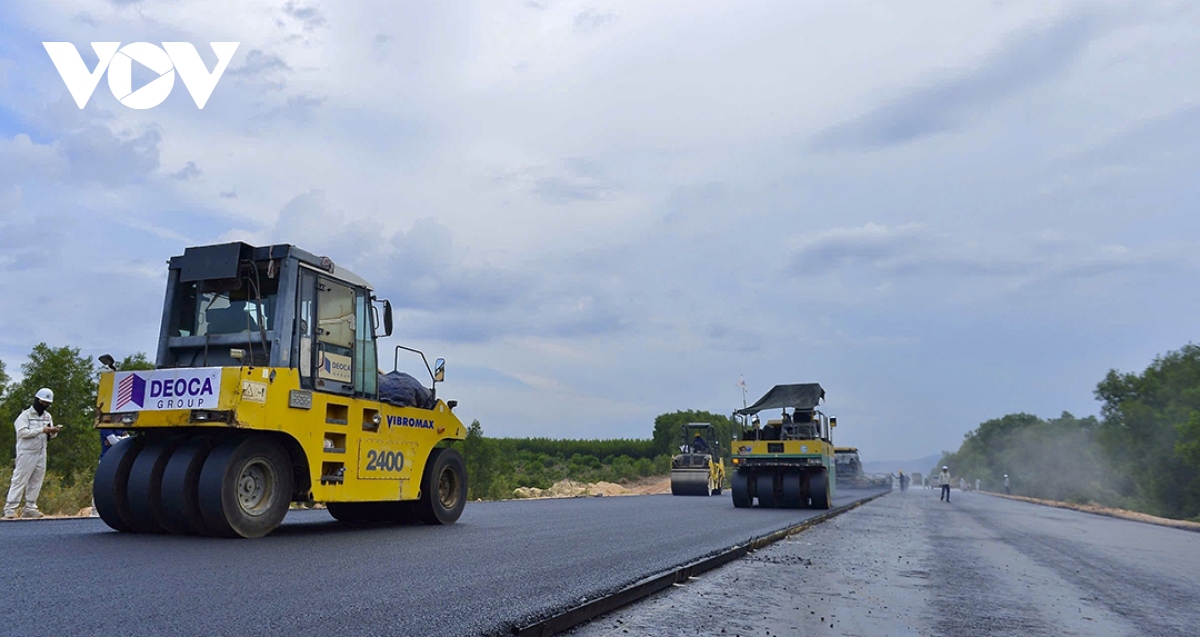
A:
632, 448
497, 466
1142, 454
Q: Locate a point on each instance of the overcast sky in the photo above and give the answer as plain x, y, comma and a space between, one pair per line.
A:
602, 211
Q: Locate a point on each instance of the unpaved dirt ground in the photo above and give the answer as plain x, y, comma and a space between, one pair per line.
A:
908, 564
573, 489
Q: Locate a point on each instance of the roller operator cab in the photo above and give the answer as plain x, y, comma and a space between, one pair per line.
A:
267, 391
789, 462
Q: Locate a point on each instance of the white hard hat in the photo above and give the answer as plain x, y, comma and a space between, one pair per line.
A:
947, 468
1006, 475
45, 395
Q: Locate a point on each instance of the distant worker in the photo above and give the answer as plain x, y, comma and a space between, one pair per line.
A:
1007, 490
976, 484
944, 482
698, 444
787, 419
962, 484
34, 427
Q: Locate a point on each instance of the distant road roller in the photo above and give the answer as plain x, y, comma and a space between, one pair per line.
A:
699, 469
267, 391
789, 463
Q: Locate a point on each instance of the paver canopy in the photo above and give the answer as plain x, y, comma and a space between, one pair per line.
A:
803, 396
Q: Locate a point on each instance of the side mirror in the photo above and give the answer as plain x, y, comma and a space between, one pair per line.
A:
387, 317
439, 370
833, 422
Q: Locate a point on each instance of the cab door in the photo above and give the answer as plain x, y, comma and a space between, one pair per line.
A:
327, 323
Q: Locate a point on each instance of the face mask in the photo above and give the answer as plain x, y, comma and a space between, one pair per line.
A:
39, 407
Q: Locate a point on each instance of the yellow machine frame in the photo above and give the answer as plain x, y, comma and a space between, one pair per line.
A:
348, 446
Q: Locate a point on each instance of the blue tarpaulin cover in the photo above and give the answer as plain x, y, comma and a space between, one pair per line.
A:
402, 390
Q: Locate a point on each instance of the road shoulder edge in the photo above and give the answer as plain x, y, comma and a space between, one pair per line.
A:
648, 586
1095, 509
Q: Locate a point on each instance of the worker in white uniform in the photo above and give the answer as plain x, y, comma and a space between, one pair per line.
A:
34, 427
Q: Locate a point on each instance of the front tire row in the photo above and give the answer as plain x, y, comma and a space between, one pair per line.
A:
242, 486
791, 489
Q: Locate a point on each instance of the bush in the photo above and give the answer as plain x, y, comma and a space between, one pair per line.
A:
59, 496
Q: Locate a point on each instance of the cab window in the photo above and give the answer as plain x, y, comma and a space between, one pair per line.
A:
336, 327
366, 377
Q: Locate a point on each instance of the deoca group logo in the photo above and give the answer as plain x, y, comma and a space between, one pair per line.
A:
118, 61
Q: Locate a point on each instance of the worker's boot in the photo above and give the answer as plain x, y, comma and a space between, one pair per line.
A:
31, 513
10, 515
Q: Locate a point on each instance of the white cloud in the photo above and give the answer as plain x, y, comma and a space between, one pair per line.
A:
610, 211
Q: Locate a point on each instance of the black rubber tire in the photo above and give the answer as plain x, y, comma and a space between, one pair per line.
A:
443, 488
350, 512
740, 486
360, 512
765, 486
397, 512
793, 490
110, 485
144, 490
245, 487
180, 486
818, 488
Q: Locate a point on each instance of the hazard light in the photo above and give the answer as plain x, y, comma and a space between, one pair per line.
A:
211, 415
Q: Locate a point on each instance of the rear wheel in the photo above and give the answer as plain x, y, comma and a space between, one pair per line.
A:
111, 483
443, 488
245, 487
145, 486
180, 485
740, 485
818, 488
765, 485
358, 512
400, 512
793, 490
350, 512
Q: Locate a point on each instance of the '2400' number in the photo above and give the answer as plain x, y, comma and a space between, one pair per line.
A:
384, 460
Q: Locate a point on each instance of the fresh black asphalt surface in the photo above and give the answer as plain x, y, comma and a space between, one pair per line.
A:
910, 565
504, 564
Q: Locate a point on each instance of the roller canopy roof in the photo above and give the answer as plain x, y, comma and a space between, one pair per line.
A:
804, 396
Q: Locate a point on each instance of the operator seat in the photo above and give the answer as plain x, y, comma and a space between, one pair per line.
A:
230, 320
